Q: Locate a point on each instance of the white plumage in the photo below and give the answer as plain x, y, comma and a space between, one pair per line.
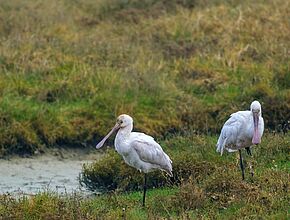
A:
142, 152
237, 132
138, 150
242, 130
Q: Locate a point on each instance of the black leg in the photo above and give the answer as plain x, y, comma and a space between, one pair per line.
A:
145, 188
248, 149
241, 164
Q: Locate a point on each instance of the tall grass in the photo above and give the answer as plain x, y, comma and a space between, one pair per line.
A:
68, 68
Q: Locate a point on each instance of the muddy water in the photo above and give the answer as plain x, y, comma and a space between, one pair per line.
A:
56, 171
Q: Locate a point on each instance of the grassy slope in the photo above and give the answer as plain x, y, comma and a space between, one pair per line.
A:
216, 193
67, 68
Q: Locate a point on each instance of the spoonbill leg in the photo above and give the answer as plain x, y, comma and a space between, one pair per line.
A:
248, 149
242, 165
145, 188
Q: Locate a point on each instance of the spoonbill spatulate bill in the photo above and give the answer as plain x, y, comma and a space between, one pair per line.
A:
138, 150
242, 130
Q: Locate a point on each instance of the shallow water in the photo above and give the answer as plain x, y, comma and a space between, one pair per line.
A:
57, 172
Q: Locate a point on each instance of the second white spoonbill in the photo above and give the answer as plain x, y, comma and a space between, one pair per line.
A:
242, 130
138, 149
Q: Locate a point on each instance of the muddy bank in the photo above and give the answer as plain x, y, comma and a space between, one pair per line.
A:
56, 170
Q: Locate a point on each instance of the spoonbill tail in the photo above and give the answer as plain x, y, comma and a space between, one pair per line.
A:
138, 149
242, 130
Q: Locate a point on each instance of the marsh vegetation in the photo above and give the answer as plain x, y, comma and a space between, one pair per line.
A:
204, 186
68, 68
180, 68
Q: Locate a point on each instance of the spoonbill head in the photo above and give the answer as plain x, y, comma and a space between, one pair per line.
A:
123, 121
138, 150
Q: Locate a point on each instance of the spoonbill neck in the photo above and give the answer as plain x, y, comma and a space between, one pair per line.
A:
124, 132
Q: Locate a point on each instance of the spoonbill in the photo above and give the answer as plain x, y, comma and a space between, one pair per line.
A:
242, 130
138, 150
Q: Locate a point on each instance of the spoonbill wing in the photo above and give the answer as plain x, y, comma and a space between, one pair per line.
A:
141, 137
151, 152
230, 130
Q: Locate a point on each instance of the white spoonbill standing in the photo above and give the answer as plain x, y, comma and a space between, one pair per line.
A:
138, 149
242, 130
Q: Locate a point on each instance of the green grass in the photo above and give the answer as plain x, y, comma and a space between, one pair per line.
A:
180, 68
216, 191
68, 68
